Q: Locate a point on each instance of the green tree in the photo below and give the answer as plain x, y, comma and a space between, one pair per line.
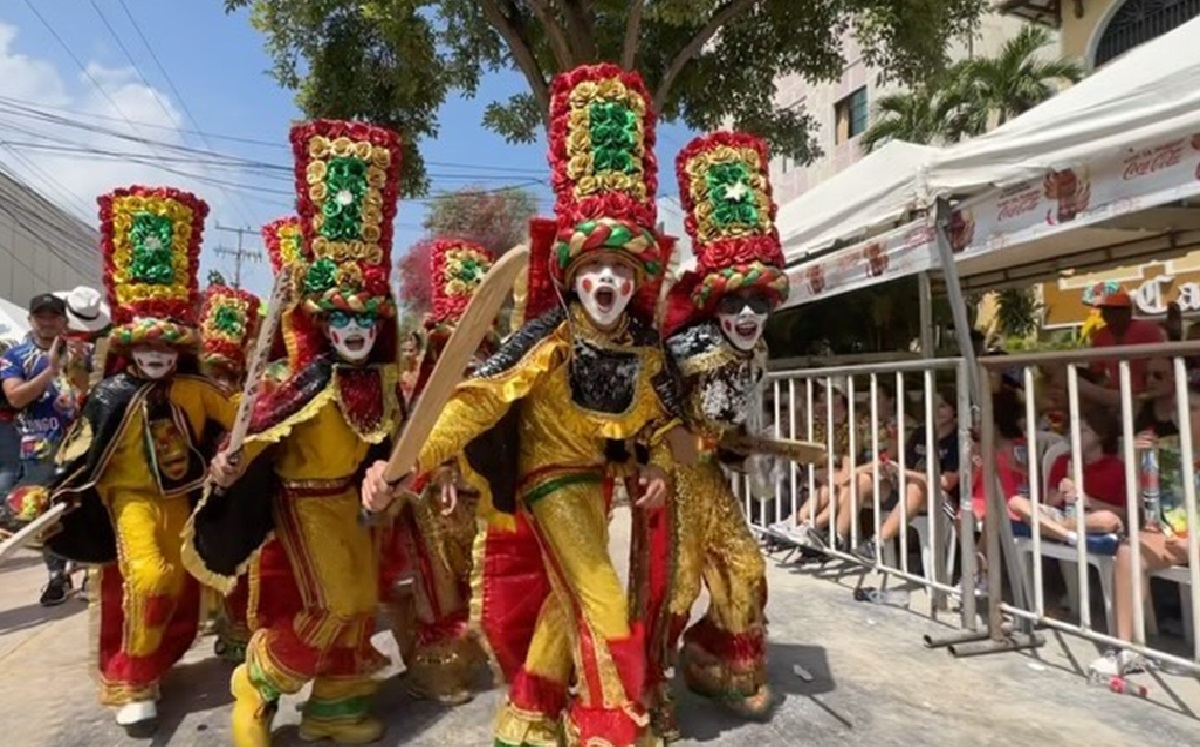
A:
1012, 82
708, 62
216, 278
1017, 312
915, 116
496, 218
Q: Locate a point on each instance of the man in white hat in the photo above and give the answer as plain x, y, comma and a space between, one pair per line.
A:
87, 314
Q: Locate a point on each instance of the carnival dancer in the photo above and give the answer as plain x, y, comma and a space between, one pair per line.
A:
228, 324
134, 462
715, 320
545, 421
443, 657
314, 591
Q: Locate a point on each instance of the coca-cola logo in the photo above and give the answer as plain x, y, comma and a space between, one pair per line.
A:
918, 237
1025, 202
1153, 160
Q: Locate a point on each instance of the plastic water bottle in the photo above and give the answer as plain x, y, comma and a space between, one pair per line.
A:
1151, 497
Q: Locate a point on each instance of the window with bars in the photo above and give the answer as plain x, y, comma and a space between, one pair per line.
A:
851, 115
1139, 21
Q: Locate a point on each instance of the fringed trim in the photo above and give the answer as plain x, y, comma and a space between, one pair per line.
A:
624, 726
519, 728
475, 606
280, 431
195, 564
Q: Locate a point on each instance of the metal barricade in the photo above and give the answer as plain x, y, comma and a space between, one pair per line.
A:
1144, 533
830, 490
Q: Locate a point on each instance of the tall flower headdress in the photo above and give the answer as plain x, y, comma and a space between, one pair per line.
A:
228, 322
605, 175
347, 177
730, 217
150, 241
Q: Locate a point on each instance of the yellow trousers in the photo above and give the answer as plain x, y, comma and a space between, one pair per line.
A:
150, 606
313, 599
714, 546
583, 636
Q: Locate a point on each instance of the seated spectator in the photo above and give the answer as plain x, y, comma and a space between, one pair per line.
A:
1161, 545
1157, 414
1011, 455
837, 440
915, 482
1052, 399
1103, 494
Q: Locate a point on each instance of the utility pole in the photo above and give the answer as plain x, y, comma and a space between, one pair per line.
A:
239, 253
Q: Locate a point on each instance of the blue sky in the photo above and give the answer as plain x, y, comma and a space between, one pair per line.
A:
62, 102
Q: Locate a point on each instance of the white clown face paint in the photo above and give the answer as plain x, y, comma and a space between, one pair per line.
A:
604, 288
743, 317
352, 335
155, 363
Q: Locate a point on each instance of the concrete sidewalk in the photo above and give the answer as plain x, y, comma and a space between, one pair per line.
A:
872, 683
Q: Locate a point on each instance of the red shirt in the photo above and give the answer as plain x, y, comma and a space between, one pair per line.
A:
1140, 332
1103, 479
1011, 479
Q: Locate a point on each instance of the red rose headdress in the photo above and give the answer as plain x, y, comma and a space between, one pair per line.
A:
150, 242
605, 175
347, 177
730, 216
228, 323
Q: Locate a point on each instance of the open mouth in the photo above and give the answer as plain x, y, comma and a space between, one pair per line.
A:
606, 299
355, 343
746, 328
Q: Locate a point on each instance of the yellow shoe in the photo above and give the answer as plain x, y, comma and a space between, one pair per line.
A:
367, 731
252, 713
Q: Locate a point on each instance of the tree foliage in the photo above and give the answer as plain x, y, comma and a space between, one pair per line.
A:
707, 62
496, 219
215, 277
415, 285
970, 95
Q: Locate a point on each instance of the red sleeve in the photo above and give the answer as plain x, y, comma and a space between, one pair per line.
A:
1107, 483
1058, 471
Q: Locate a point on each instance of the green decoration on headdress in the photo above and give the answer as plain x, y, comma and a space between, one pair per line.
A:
152, 261
470, 270
346, 182
613, 130
230, 321
730, 193
321, 276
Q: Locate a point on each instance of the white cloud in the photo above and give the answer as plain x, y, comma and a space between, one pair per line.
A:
61, 159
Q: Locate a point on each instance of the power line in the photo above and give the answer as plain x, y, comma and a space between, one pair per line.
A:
237, 205
239, 254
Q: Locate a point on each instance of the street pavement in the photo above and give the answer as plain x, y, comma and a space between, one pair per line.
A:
846, 673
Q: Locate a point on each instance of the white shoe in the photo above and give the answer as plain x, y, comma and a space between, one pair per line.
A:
1118, 664
137, 712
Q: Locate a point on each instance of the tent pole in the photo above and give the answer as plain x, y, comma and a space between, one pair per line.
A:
925, 301
998, 637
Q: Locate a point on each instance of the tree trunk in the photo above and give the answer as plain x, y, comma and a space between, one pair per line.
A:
508, 23
720, 17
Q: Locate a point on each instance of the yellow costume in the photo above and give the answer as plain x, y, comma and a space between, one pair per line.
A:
434, 550
132, 465
228, 323
547, 425
714, 324
313, 589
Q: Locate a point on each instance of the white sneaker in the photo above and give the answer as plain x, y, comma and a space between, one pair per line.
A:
1118, 664
137, 712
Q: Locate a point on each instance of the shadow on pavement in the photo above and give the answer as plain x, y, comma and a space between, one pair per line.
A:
192, 688
794, 671
19, 562
31, 615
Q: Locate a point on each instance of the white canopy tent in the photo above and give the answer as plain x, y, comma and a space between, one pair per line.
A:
878, 190
1104, 173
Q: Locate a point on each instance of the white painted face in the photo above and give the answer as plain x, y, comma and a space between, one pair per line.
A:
352, 335
604, 288
743, 319
155, 363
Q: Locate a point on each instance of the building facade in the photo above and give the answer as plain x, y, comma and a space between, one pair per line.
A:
1098, 32
43, 248
843, 109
